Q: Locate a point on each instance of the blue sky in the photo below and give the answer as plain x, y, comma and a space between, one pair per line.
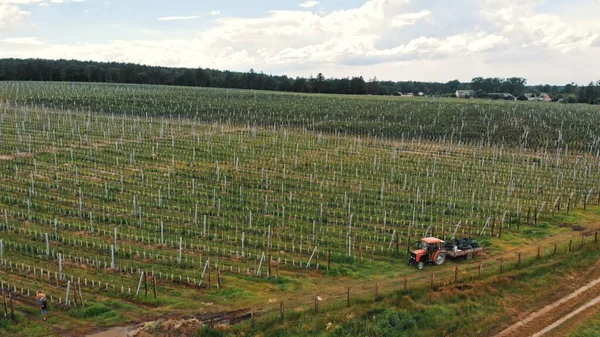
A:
546, 41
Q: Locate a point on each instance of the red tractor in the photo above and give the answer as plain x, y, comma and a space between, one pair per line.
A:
434, 250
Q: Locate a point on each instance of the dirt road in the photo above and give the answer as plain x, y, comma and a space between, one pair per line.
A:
560, 316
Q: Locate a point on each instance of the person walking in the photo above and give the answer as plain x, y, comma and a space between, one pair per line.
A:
43, 302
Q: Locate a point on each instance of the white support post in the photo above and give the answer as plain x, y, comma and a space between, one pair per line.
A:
262, 258
162, 233
243, 237
311, 256
68, 290
392, 239
60, 266
180, 249
47, 245
203, 272
112, 256
139, 284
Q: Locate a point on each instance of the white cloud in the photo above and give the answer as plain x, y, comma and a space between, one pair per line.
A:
65, 1
309, 4
215, 12
34, 41
176, 18
409, 19
19, 2
11, 16
43, 4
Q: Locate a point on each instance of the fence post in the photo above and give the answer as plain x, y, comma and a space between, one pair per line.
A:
376, 291
570, 244
328, 259
252, 317
5, 306
554, 249
154, 284
405, 284
348, 298
281, 311
479, 270
596, 237
455, 274
501, 265
538, 253
269, 257
582, 239
316, 303
145, 284
519, 259
12, 308
432, 279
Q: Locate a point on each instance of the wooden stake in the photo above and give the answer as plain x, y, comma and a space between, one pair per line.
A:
80, 296
455, 274
432, 279
146, 284
218, 278
376, 290
209, 277
348, 298
281, 311
479, 270
270, 274
405, 284
328, 259
12, 308
519, 259
5, 306
154, 285
538, 253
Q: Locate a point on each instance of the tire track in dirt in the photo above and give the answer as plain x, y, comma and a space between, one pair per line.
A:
555, 314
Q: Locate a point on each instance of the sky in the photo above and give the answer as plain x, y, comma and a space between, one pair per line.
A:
544, 41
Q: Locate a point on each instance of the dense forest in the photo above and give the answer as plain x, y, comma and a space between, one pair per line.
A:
112, 72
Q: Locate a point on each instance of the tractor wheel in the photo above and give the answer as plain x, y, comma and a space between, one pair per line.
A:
439, 258
420, 265
469, 256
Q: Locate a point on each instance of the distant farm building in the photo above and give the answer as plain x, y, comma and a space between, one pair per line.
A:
543, 97
465, 93
502, 95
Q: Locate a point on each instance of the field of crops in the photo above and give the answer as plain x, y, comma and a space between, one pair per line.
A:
99, 183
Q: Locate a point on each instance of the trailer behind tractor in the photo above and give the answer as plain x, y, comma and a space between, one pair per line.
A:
435, 251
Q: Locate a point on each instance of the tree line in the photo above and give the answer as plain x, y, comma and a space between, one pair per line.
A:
113, 72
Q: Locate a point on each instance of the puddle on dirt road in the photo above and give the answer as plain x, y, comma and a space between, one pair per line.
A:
121, 331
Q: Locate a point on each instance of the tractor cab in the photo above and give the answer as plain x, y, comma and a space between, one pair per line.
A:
428, 250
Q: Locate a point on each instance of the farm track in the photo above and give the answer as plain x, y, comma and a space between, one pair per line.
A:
562, 315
